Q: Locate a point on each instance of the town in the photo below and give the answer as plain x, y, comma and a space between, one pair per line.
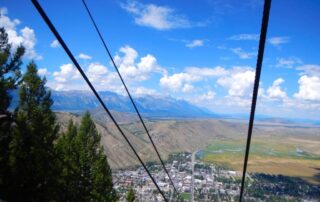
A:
194, 181
197, 181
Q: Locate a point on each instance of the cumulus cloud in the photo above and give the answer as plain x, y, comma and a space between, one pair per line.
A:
206, 71
136, 71
182, 81
195, 43
141, 91
245, 37
84, 56
208, 96
24, 36
55, 44
275, 91
239, 82
242, 54
176, 81
157, 17
131, 69
96, 71
309, 82
308, 88
67, 78
43, 71
277, 41
187, 88
67, 72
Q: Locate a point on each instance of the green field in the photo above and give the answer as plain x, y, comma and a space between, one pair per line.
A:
281, 155
185, 196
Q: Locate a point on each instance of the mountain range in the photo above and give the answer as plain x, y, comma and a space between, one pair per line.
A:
150, 106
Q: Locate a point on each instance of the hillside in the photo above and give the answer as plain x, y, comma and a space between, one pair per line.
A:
186, 135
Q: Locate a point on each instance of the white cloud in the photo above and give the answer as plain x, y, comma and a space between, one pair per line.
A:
207, 72
102, 78
288, 62
67, 72
310, 69
25, 37
309, 83
245, 37
109, 81
67, 78
176, 81
182, 81
133, 71
195, 43
307, 98
43, 71
158, 17
187, 88
275, 91
308, 107
237, 101
239, 82
189, 43
308, 88
242, 54
55, 44
84, 56
96, 71
208, 96
141, 91
277, 41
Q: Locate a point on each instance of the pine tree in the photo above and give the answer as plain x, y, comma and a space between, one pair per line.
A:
130, 195
90, 177
10, 77
31, 158
69, 175
10, 74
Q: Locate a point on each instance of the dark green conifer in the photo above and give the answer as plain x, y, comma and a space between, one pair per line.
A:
32, 157
10, 74
90, 177
130, 195
10, 77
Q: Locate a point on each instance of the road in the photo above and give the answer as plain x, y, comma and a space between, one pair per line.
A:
192, 179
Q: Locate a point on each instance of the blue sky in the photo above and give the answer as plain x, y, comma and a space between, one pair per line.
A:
200, 51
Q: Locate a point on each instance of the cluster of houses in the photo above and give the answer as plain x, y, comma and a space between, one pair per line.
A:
191, 177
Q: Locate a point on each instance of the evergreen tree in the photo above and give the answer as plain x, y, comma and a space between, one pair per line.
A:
10, 74
31, 158
32, 166
90, 177
10, 77
130, 195
69, 175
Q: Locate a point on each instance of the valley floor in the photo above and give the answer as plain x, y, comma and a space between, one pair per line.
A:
199, 181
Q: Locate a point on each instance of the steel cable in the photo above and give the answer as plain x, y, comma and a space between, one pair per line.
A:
66, 49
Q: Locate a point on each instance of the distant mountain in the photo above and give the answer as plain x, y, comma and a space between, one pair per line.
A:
166, 107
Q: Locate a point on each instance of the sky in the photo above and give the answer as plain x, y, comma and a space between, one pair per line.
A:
204, 51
